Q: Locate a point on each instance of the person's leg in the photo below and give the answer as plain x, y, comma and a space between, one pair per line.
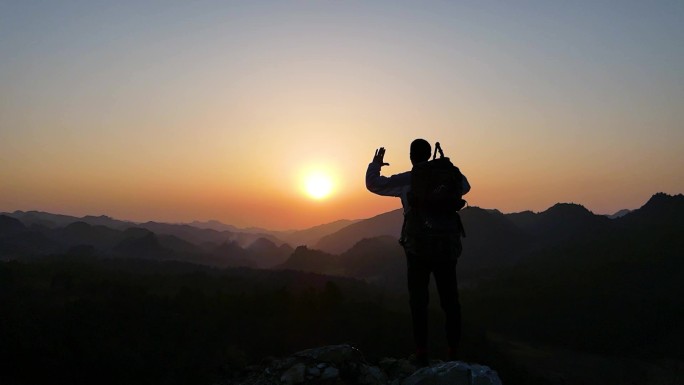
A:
444, 269
418, 276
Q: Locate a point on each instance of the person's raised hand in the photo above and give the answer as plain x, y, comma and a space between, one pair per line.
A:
379, 157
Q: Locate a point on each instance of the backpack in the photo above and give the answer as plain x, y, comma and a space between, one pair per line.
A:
435, 198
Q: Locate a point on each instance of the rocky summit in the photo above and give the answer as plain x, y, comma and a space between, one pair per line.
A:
346, 365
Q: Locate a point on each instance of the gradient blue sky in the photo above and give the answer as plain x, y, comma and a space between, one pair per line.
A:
195, 110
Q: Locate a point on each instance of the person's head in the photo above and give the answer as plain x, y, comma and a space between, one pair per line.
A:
420, 151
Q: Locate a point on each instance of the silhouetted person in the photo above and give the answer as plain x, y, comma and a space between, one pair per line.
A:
427, 251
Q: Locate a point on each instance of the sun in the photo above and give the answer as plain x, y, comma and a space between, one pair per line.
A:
318, 185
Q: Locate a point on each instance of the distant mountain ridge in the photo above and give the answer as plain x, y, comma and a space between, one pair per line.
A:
384, 224
496, 240
365, 249
196, 232
308, 237
61, 220
561, 220
619, 214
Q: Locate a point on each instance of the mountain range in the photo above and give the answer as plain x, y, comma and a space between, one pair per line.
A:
546, 291
365, 249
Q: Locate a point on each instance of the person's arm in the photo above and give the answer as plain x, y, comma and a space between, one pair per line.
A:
387, 186
382, 185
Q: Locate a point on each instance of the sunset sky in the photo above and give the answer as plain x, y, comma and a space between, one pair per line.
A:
181, 111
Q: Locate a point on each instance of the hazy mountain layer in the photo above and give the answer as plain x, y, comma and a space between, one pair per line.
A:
494, 240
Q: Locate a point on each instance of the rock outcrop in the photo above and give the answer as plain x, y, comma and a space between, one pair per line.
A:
346, 365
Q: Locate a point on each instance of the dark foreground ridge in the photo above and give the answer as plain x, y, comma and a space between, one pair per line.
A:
346, 365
